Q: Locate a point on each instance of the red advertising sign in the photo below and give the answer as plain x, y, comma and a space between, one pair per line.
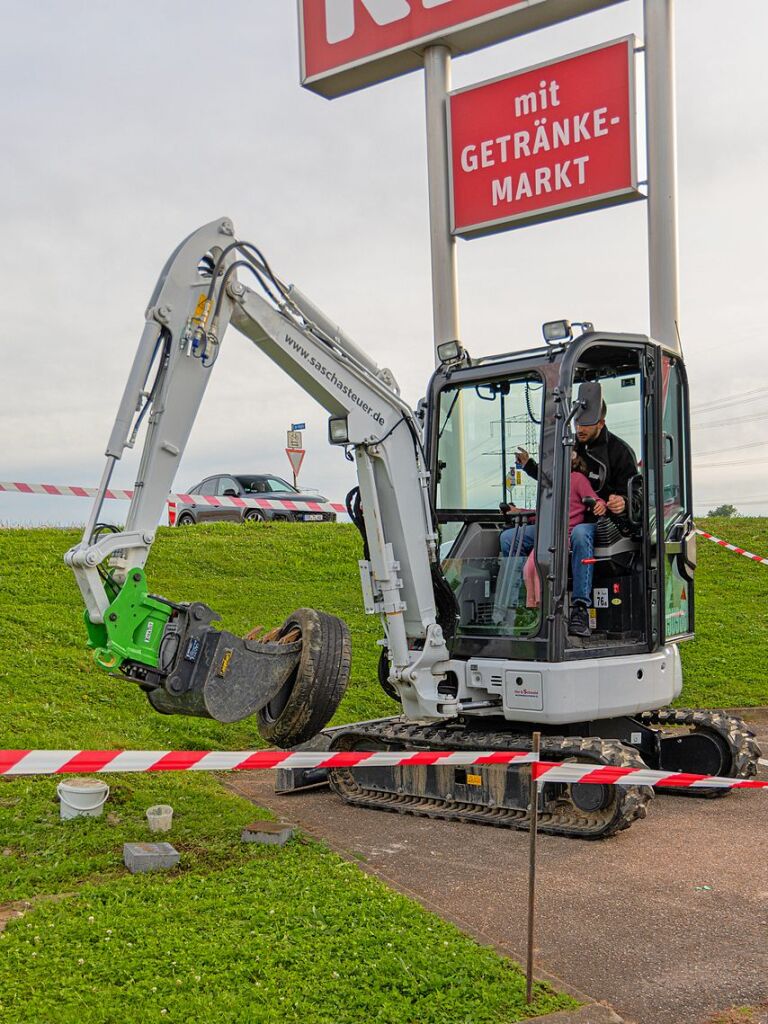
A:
349, 44
546, 142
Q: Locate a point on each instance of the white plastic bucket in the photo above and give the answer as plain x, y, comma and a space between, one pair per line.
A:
81, 797
160, 817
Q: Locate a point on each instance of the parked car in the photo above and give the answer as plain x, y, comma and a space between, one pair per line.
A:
301, 507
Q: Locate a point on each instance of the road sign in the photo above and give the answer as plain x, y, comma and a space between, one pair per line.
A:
295, 457
350, 44
546, 142
294, 439
298, 426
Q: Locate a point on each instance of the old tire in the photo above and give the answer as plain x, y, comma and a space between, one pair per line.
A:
253, 515
185, 519
311, 696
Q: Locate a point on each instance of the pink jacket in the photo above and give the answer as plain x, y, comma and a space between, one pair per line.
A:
580, 488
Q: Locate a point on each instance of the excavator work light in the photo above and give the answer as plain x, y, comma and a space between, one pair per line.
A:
450, 352
557, 330
338, 430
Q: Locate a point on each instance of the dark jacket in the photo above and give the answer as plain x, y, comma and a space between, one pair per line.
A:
610, 464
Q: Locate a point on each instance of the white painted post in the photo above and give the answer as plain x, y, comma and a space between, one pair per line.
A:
445, 286
663, 265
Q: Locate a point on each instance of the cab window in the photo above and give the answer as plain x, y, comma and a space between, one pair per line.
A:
488, 560
480, 427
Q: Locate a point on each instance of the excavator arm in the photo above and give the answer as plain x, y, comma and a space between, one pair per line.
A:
199, 293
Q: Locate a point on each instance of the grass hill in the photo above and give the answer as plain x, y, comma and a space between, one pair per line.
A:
134, 949
238, 932
52, 693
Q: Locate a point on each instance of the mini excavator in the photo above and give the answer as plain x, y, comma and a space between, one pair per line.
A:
473, 663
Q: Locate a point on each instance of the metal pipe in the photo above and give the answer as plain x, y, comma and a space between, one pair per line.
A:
313, 313
663, 261
445, 286
98, 502
534, 828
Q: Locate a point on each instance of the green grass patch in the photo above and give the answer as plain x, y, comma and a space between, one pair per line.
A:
725, 666
239, 933
294, 935
41, 854
236, 933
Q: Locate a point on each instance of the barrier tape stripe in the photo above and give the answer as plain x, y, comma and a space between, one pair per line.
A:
732, 547
68, 762
11, 487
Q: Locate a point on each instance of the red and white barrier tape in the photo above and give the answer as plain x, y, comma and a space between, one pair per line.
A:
60, 489
67, 762
264, 503
732, 547
291, 506
180, 499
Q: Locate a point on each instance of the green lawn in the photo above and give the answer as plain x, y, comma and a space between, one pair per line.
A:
237, 933
725, 666
241, 933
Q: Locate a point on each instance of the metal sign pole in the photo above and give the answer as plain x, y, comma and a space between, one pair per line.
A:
533, 835
445, 286
663, 268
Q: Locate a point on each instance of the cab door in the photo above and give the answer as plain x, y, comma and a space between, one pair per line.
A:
676, 533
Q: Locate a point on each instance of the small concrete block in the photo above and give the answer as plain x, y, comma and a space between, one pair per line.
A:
274, 833
139, 857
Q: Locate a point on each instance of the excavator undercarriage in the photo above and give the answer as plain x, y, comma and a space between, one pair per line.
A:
703, 742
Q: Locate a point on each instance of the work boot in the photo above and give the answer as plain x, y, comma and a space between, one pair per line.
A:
578, 624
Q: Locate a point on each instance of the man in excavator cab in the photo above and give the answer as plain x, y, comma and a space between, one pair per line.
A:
610, 464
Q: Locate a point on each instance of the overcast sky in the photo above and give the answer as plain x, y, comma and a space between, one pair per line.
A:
125, 126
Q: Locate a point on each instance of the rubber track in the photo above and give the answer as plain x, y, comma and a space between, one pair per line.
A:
735, 733
559, 815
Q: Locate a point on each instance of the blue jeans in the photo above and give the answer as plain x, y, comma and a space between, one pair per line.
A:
511, 541
582, 546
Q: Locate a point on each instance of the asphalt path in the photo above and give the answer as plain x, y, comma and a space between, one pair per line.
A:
667, 922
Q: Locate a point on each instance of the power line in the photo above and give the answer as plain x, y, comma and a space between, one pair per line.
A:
748, 396
734, 501
727, 423
733, 448
736, 462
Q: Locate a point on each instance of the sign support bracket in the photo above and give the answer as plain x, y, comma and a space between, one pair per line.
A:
445, 284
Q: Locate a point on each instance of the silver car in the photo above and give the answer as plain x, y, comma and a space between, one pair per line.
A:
302, 507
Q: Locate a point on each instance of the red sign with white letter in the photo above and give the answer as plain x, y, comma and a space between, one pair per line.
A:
546, 142
348, 44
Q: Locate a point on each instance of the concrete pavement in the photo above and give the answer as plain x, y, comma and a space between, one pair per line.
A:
666, 922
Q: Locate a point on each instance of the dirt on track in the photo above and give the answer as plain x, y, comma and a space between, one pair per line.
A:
667, 922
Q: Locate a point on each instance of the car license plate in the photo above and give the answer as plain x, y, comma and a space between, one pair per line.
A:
313, 517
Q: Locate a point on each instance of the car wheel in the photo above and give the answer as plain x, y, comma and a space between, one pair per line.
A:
253, 515
309, 699
185, 519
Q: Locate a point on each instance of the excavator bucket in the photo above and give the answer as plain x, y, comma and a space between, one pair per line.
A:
230, 678
292, 678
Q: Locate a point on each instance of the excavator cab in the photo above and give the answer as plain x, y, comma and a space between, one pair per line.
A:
501, 440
